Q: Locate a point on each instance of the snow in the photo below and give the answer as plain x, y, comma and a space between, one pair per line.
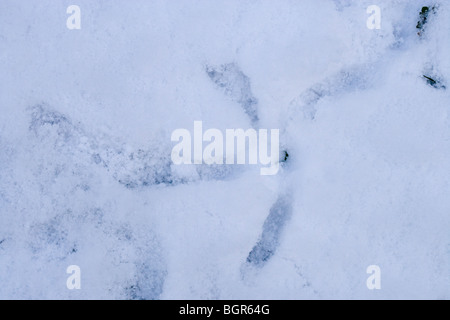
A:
86, 176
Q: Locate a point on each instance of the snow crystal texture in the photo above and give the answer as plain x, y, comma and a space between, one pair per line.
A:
86, 176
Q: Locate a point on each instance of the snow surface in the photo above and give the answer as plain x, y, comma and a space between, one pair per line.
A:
85, 171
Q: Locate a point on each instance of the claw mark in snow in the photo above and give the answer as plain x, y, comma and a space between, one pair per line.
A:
236, 85
131, 168
273, 226
352, 79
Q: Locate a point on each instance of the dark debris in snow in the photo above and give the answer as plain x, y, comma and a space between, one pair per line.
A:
423, 19
434, 83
